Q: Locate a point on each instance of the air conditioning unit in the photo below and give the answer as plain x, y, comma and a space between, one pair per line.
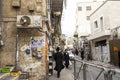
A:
24, 21
29, 21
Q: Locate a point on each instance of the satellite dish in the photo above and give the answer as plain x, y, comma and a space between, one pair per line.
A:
25, 21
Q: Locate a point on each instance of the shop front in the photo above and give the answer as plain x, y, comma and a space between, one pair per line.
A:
100, 49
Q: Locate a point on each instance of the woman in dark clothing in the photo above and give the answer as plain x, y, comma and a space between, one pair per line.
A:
76, 51
58, 57
82, 54
66, 58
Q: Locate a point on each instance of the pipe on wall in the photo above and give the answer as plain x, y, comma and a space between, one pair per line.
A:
0, 16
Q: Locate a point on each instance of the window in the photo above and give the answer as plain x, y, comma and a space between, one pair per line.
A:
96, 24
88, 8
101, 22
87, 17
79, 8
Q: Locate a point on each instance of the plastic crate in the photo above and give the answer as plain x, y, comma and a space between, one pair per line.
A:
5, 70
15, 73
24, 75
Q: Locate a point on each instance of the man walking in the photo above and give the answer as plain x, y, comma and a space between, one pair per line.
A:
82, 53
66, 58
58, 57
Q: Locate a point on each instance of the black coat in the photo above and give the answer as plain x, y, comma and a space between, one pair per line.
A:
66, 58
58, 57
82, 54
76, 51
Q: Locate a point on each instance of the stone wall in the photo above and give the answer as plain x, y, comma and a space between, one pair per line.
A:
36, 67
9, 34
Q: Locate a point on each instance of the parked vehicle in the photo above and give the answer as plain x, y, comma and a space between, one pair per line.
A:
71, 55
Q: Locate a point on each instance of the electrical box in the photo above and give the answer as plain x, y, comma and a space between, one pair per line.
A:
39, 9
31, 7
16, 3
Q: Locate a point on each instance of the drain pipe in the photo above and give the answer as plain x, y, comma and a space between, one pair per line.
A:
17, 52
0, 12
0, 27
17, 48
1, 17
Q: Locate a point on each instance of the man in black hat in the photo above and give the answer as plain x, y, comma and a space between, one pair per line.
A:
58, 57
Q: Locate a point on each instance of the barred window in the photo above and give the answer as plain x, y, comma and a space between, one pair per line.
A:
79, 8
96, 24
88, 8
88, 17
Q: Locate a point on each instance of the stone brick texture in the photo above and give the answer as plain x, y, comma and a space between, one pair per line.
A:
9, 32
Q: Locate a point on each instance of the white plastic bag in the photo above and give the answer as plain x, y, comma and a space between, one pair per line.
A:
70, 62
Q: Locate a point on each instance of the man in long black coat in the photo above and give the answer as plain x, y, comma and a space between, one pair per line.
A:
58, 57
82, 54
66, 58
76, 52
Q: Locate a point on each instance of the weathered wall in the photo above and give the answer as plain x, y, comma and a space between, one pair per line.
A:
37, 67
9, 32
9, 48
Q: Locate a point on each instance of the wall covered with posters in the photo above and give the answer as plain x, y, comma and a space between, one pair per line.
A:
32, 54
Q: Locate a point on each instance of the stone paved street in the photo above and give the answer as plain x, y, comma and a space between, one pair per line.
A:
66, 74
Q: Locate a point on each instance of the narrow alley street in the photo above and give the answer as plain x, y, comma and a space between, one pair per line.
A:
66, 74
36, 34
93, 71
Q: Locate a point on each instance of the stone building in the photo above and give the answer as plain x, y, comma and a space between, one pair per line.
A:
83, 10
56, 12
24, 36
105, 34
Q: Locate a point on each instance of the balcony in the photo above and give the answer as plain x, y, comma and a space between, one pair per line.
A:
99, 34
